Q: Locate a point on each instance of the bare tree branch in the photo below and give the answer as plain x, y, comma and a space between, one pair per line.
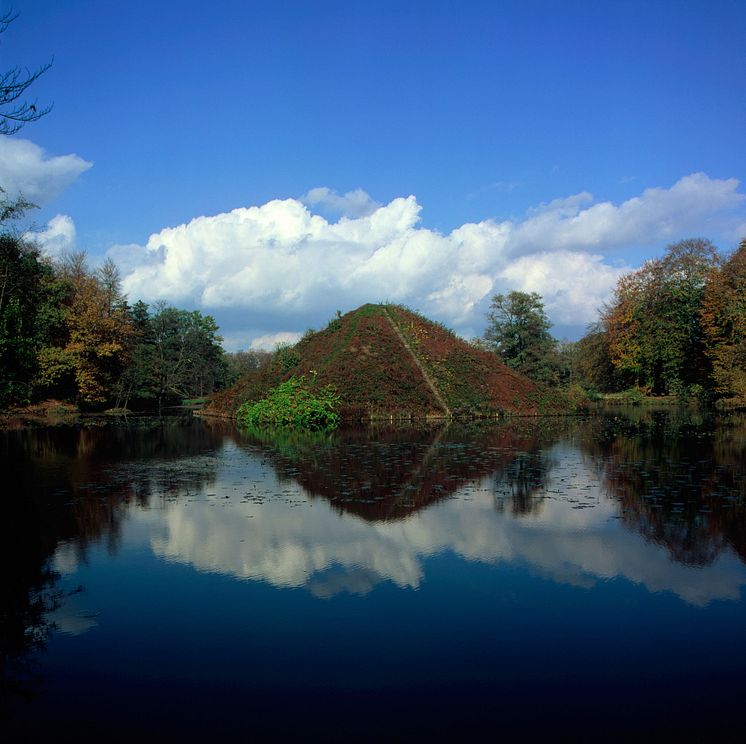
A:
14, 112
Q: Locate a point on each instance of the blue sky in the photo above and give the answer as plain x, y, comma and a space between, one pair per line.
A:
431, 153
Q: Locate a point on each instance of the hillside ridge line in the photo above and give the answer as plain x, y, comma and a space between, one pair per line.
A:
419, 364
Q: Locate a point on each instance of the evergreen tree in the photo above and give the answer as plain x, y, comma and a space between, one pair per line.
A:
24, 281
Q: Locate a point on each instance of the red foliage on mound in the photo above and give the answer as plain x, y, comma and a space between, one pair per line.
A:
471, 380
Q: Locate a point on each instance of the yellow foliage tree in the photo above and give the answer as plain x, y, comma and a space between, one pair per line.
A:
98, 334
100, 337
724, 325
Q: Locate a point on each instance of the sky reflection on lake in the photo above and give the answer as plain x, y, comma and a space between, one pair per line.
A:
250, 525
457, 564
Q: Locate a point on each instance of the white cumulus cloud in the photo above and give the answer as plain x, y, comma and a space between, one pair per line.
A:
280, 261
573, 284
57, 238
657, 214
26, 169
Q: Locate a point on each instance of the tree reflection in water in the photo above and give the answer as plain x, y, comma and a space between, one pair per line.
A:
73, 486
522, 483
679, 477
388, 473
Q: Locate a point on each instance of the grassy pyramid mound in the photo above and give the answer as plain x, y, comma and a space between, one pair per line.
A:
386, 361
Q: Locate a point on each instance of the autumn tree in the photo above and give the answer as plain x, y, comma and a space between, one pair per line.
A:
89, 360
99, 340
723, 320
653, 321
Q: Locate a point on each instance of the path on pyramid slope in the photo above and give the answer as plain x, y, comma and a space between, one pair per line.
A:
419, 364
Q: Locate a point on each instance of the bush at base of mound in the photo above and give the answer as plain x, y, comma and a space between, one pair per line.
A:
294, 403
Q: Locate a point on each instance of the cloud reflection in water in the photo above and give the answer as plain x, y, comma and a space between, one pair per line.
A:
254, 526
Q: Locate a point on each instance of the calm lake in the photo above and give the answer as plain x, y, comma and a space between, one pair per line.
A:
177, 578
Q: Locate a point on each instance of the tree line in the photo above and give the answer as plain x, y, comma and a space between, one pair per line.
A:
68, 332
676, 326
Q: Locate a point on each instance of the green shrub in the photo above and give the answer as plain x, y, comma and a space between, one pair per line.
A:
293, 404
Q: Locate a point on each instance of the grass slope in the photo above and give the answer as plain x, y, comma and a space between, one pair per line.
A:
473, 382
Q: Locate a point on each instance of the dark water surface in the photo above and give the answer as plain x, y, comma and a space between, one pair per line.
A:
553, 579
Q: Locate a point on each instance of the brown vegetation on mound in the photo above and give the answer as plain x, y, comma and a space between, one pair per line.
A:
389, 362
472, 381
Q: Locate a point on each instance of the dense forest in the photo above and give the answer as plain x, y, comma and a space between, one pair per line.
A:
67, 332
676, 326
